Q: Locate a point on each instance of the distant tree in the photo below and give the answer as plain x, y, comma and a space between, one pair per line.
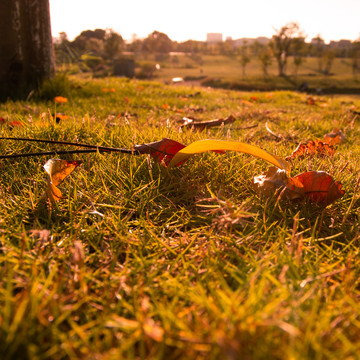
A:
113, 43
319, 47
356, 59
81, 41
298, 50
265, 58
244, 57
328, 58
157, 42
192, 46
281, 44
26, 49
135, 45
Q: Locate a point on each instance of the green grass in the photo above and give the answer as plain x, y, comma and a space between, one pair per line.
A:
139, 262
226, 72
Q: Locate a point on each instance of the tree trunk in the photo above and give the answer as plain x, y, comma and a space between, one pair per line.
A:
26, 49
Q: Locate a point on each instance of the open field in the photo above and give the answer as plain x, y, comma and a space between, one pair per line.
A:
144, 262
227, 72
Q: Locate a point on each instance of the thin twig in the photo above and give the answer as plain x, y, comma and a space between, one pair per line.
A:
45, 153
96, 147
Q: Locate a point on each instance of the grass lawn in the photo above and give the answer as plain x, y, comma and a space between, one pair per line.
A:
226, 71
142, 262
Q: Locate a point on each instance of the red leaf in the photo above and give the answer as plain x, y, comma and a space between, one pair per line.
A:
161, 151
320, 187
16, 123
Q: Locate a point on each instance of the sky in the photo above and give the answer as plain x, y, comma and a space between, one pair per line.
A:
193, 19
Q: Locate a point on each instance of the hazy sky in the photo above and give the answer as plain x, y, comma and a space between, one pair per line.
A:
191, 19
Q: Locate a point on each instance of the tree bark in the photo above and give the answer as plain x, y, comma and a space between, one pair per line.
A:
26, 49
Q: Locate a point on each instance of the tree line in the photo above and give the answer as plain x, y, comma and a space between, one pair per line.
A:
97, 46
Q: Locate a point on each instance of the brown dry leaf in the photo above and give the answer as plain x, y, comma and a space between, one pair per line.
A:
312, 148
57, 170
335, 137
276, 181
201, 125
320, 187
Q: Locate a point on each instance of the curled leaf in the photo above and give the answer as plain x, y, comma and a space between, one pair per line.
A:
220, 145
312, 148
335, 137
57, 170
276, 181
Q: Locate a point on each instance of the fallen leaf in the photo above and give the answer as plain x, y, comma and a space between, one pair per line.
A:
316, 186
220, 145
248, 103
108, 90
60, 99
276, 181
2, 120
15, 123
57, 170
335, 137
320, 187
161, 151
312, 148
310, 101
201, 125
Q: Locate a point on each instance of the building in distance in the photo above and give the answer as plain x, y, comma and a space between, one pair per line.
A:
213, 38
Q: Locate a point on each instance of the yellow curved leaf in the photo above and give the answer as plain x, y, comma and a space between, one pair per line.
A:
216, 145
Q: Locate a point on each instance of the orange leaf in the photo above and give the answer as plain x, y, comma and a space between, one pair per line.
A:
246, 102
108, 90
57, 170
320, 187
335, 137
60, 116
312, 148
60, 99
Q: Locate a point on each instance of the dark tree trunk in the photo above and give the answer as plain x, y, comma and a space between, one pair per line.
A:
26, 50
